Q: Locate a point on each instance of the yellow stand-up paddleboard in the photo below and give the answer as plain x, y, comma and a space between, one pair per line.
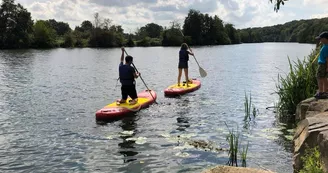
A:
175, 90
115, 110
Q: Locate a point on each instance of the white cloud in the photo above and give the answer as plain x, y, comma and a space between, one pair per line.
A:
136, 13
315, 2
71, 11
122, 3
322, 15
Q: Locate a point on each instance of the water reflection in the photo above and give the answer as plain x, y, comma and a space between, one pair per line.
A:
286, 135
127, 148
183, 112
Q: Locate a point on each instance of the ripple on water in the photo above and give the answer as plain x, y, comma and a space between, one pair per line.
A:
48, 101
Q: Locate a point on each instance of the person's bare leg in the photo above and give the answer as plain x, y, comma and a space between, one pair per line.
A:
186, 75
320, 84
325, 85
179, 76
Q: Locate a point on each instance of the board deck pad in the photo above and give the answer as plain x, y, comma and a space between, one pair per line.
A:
127, 105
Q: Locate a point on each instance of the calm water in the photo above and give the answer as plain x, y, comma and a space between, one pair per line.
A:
48, 100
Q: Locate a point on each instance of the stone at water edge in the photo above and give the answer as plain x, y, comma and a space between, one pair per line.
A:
229, 169
312, 131
310, 107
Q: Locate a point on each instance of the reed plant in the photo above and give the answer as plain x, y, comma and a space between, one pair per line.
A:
299, 84
243, 155
249, 108
233, 140
247, 105
234, 147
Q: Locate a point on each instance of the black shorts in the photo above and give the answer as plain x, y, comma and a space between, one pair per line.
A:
183, 64
129, 90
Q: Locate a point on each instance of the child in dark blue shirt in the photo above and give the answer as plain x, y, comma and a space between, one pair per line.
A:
183, 62
127, 75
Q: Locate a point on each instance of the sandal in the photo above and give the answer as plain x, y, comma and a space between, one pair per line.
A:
133, 102
321, 95
118, 102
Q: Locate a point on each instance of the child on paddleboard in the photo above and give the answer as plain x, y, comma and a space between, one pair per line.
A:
183, 62
127, 75
322, 72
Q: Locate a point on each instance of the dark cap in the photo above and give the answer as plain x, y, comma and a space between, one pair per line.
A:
322, 35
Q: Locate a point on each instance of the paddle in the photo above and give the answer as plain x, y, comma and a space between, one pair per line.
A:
317, 54
142, 79
315, 58
202, 72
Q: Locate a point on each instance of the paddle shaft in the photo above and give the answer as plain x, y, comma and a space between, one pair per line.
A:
317, 55
315, 58
142, 79
195, 58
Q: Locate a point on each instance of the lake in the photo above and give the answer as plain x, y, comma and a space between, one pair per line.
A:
48, 100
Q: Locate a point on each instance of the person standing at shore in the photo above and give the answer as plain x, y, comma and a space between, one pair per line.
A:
322, 71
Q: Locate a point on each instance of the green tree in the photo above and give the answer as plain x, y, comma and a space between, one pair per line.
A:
60, 27
84, 30
232, 33
144, 42
86, 26
15, 25
44, 35
118, 32
102, 38
207, 30
151, 30
130, 42
244, 36
69, 40
193, 26
219, 32
172, 36
105, 35
141, 33
79, 40
302, 31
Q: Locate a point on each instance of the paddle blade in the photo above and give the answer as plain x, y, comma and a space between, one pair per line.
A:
202, 72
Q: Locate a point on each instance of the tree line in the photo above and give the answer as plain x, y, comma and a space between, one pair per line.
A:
18, 30
302, 31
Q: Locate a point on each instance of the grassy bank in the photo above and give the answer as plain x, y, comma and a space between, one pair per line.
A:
299, 84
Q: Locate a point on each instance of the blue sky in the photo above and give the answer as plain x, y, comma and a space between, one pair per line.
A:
132, 14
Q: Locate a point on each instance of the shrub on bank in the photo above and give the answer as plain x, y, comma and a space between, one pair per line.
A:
298, 85
312, 162
147, 41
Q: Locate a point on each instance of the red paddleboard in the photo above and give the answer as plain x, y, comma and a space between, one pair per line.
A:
175, 90
114, 110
